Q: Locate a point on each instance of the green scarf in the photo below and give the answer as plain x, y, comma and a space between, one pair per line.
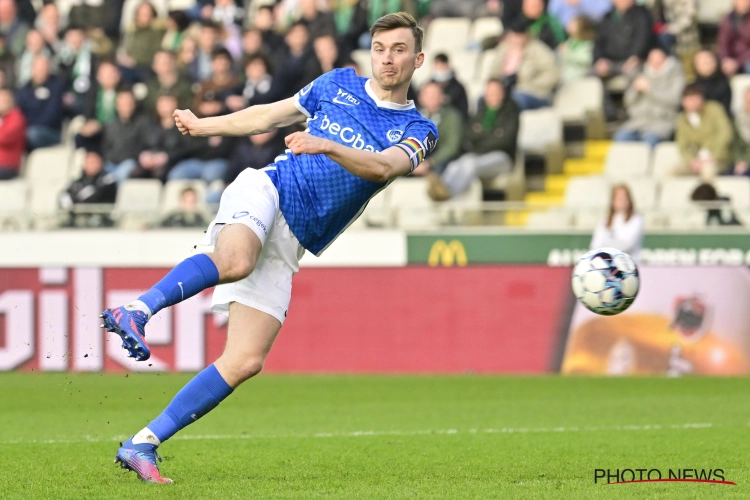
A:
105, 109
557, 28
377, 9
488, 121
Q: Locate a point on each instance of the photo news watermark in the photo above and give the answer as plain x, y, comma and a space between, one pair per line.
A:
654, 475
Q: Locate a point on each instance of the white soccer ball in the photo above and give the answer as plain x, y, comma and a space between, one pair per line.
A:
606, 281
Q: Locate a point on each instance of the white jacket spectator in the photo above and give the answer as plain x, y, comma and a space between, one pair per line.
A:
622, 228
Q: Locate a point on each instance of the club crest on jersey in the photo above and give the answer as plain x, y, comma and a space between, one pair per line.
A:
345, 98
306, 89
394, 135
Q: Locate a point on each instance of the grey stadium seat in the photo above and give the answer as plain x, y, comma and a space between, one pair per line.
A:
627, 160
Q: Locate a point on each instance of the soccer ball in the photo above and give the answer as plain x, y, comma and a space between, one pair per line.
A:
606, 281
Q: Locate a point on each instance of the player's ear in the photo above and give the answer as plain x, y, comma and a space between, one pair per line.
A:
419, 61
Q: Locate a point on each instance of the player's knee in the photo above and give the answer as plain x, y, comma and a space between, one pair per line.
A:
251, 367
233, 267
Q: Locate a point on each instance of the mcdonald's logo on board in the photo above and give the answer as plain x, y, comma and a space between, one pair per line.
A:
447, 254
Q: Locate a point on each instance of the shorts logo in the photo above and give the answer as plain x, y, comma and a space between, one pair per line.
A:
345, 98
240, 214
394, 135
306, 89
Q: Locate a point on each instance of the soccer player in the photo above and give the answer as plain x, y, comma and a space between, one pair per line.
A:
362, 134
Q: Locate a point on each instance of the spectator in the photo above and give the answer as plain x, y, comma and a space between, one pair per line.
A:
186, 57
210, 98
652, 100
543, 25
741, 144
466, 8
273, 42
142, 40
177, 24
624, 39
623, 226
125, 137
225, 12
12, 136
719, 209
199, 69
209, 162
318, 23
489, 145
93, 186
188, 214
7, 66
454, 92
256, 151
166, 145
167, 80
252, 45
734, 39
527, 66
704, 135
676, 27
12, 27
351, 23
258, 86
41, 101
567, 10
75, 63
34, 46
298, 66
327, 54
48, 24
433, 106
714, 83
577, 52
100, 18
99, 107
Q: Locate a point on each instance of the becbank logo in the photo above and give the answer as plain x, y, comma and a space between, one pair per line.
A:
447, 254
346, 134
654, 475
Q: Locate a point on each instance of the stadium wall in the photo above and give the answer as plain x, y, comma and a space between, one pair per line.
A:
387, 302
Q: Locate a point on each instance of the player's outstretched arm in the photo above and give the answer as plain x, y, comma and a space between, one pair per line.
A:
248, 121
375, 167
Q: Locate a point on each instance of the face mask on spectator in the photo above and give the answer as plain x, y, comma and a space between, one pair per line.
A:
442, 76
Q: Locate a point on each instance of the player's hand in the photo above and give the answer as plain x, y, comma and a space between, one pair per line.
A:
186, 122
304, 143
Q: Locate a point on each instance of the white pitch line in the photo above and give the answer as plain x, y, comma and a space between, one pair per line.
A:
438, 432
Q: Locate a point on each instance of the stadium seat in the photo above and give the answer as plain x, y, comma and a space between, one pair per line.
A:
75, 166
180, 4
555, 219
485, 27
713, 11
675, 192
44, 202
588, 218
173, 189
474, 92
643, 192
666, 158
130, 6
447, 33
587, 192
12, 204
48, 165
464, 64
362, 58
412, 208
737, 189
378, 210
138, 202
540, 129
485, 67
627, 160
740, 84
575, 100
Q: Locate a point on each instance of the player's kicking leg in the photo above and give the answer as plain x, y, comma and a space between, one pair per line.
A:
250, 335
236, 254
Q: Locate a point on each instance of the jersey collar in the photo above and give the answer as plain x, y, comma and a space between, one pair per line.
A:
387, 104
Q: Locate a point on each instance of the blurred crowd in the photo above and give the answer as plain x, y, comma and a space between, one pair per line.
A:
125, 77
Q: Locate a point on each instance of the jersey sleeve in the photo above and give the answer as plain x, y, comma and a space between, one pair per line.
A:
419, 140
306, 100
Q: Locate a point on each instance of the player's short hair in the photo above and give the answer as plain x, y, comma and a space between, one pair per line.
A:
399, 20
442, 58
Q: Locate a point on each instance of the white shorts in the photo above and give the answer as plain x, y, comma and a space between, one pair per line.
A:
252, 200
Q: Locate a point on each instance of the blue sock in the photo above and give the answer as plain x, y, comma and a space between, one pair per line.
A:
201, 395
188, 278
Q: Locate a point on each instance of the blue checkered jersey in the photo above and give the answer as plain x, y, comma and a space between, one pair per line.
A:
320, 198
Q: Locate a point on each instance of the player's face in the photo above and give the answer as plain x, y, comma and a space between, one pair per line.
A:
394, 58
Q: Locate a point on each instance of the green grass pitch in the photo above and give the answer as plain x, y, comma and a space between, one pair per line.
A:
377, 437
